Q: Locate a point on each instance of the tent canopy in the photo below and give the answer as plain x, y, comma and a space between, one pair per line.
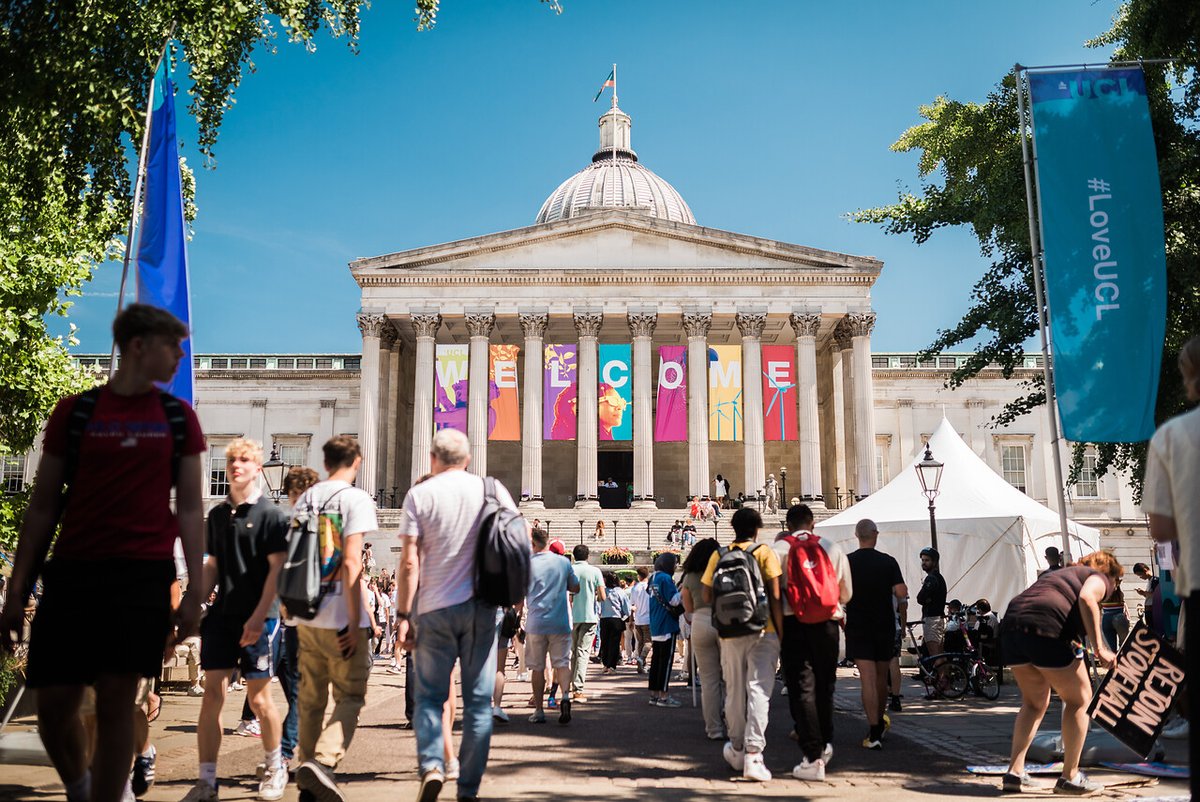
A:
991, 536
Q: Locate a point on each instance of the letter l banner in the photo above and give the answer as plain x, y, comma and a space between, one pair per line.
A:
1102, 232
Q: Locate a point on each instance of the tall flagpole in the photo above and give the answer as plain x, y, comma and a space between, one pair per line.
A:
137, 191
614, 106
1035, 246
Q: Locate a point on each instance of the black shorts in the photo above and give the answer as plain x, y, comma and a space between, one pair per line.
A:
878, 645
100, 617
220, 649
1025, 648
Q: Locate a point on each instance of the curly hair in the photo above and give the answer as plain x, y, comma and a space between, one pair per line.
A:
1105, 563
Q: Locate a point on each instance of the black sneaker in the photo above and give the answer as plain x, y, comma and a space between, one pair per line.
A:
318, 781
564, 711
431, 785
143, 773
1019, 783
894, 703
1079, 785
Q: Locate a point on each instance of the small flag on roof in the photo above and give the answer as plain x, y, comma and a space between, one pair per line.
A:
609, 81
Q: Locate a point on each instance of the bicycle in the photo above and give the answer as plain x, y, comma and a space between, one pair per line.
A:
950, 674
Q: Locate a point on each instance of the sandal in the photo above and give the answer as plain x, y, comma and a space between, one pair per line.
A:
153, 706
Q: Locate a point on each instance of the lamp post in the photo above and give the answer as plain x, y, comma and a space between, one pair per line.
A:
647, 535
614, 533
783, 496
273, 471
929, 472
581, 531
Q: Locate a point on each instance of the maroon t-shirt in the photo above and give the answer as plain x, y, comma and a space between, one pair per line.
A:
119, 506
1050, 606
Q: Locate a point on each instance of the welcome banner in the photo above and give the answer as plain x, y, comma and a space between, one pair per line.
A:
504, 411
725, 392
779, 392
559, 388
614, 392
1102, 231
670, 417
450, 388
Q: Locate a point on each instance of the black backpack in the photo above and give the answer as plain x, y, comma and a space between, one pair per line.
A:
299, 584
502, 551
739, 594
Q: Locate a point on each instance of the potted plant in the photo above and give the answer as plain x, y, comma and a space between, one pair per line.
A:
654, 555
616, 556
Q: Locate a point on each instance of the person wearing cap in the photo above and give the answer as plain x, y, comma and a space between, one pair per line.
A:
1053, 559
557, 547
932, 598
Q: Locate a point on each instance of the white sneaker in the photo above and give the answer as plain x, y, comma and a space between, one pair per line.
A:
196, 690
237, 686
523, 677
499, 714
249, 729
201, 792
273, 783
1177, 731
736, 758
827, 754
452, 769
755, 769
814, 771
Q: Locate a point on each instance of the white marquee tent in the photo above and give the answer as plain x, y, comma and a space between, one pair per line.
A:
991, 536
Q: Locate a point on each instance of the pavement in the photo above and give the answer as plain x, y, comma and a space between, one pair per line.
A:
618, 747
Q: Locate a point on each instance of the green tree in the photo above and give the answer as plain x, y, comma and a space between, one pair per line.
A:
971, 174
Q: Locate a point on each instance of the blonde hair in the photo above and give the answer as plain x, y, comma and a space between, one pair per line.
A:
1105, 563
244, 447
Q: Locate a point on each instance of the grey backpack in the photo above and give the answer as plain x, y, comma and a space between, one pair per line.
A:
300, 588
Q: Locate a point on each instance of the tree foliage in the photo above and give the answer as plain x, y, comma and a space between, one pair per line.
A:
971, 169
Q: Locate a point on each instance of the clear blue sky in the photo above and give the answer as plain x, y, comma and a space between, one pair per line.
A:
771, 119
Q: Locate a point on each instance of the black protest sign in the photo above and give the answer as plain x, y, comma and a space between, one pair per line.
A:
1134, 697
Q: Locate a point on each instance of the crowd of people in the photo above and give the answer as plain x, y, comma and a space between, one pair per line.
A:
760, 606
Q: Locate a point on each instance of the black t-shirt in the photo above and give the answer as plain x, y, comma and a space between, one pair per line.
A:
1050, 606
241, 539
932, 596
873, 574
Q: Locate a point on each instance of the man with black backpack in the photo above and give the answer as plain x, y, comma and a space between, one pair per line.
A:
110, 458
442, 586
335, 637
742, 583
816, 584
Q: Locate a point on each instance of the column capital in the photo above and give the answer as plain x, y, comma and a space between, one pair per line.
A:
843, 334
389, 336
696, 322
371, 323
480, 323
588, 322
805, 324
533, 324
860, 323
642, 323
328, 403
751, 323
426, 324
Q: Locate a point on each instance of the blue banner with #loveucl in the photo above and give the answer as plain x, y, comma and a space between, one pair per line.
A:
1102, 233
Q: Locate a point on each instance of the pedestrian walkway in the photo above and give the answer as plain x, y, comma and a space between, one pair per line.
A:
619, 748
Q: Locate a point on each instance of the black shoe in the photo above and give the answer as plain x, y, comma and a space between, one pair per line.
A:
564, 711
1019, 783
318, 780
143, 773
1079, 785
894, 703
431, 785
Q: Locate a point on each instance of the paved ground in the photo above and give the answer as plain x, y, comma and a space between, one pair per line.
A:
617, 747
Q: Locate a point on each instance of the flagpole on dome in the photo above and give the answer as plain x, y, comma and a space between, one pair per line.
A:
139, 182
614, 113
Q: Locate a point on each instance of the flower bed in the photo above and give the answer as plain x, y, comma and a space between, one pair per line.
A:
616, 556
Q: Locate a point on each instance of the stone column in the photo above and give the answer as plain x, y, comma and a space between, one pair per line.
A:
371, 325
258, 422
390, 478
806, 325
641, 328
533, 324
480, 323
316, 456
425, 326
587, 433
860, 324
388, 357
696, 324
751, 323
843, 341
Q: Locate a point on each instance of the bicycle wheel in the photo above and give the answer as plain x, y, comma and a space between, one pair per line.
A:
985, 682
953, 682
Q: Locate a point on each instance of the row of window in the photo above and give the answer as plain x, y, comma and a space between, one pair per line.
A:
1013, 468
248, 362
1030, 361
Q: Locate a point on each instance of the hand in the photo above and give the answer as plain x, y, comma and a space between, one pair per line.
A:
252, 631
1105, 658
348, 642
12, 624
404, 636
376, 631
187, 624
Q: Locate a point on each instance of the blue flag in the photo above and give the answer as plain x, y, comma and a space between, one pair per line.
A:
162, 267
1102, 229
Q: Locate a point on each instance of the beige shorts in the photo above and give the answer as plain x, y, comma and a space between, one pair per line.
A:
557, 647
933, 629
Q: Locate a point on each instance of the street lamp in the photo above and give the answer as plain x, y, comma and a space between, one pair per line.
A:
929, 471
614, 533
273, 471
783, 484
647, 535
581, 531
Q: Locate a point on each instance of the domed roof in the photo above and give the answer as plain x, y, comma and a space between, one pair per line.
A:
615, 180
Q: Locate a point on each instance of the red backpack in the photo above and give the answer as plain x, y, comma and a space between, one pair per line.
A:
812, 583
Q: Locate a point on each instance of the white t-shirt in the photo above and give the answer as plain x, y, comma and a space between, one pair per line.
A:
1172, 476
440, 513
639, 597
352, 512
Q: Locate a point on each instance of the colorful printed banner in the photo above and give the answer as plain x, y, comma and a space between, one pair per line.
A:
559, 389
504, 411
725, 392
1102, 226
450, 388
614, 392
670, 417
779, 392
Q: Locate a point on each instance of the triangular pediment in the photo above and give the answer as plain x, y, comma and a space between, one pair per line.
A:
614, 240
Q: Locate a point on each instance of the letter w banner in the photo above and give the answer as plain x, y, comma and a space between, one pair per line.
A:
670, 410
614, 392
504, 412
1132, 700
779, 392
162, 264
1102, 232
451, 387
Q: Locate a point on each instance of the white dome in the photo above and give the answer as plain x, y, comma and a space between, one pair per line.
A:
615, 180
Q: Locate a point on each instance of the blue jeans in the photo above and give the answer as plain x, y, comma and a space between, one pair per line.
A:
467, 633
287, 668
